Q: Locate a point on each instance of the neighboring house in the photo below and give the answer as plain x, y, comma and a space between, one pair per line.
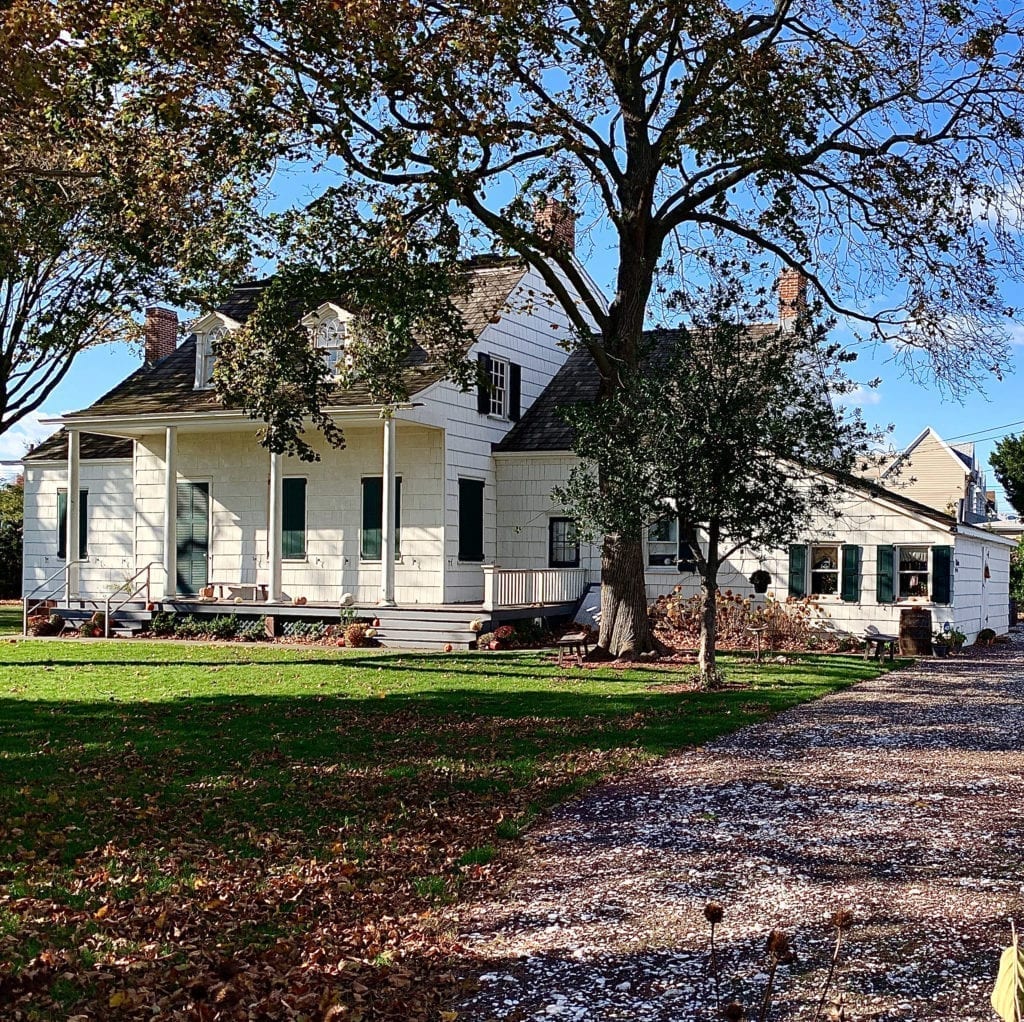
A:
947, 477
444, 510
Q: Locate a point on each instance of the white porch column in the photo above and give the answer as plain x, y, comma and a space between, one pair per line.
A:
387, 516
274, 535
170, 512
74, 511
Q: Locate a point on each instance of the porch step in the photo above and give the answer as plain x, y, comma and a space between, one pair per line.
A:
427, 628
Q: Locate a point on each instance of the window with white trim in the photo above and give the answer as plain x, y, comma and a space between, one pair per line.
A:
825, 569
912, 570
333, 339
663, 543
499, 387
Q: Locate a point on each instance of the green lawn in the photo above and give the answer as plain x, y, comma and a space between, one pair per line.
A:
193, 826
10, 618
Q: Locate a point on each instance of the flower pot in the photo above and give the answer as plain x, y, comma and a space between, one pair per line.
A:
940, 649
494, 645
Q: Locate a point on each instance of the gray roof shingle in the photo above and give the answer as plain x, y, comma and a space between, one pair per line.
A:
92, 447
169, 385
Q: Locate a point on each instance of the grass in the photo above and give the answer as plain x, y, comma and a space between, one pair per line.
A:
167, 808
10, 618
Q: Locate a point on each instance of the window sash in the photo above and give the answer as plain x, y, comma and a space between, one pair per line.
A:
563, 543
293, 518
825, 570
499, 387
663, 543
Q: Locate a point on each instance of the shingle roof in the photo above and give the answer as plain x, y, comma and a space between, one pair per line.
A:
92, 447
169, 385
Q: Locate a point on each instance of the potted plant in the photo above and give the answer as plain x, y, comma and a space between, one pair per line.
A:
760, 580
940, 644
956, 639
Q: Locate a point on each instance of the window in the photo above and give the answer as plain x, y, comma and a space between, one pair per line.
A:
372, 541
206, 356
563, 543
333, 339
293, 519
912, 574
471, 520
500, 390
824, 570
62, 524
663, 543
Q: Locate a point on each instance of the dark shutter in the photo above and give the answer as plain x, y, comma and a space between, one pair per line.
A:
851, 574
471, 520
293, 519
373, 514
398, 518
798, 570
885, 583
193, 536
483, 393
62, 524
515, 387
942, 574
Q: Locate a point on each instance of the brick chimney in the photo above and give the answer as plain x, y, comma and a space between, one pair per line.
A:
556, 222
792, 295
161, 333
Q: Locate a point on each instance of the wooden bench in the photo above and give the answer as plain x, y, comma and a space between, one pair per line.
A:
873, 637
574, 642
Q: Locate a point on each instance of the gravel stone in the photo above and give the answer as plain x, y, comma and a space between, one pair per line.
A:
898, 798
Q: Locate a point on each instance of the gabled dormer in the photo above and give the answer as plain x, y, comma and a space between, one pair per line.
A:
332, 331
209, 329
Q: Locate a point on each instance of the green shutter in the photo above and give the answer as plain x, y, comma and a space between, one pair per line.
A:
942, 574
798, 570
62, 523
471, 520
398, 518
851, 573
373, 514
885, 588
193, 536
293, 519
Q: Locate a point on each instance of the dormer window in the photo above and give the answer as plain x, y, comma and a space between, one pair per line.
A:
333, 339
209, 330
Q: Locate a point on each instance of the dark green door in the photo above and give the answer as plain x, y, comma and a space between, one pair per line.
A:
193, 536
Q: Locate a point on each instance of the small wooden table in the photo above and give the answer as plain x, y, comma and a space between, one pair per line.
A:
873, 637
575, 642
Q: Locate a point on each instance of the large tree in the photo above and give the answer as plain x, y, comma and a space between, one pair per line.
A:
122, 181
873, 146
729, 428
1008, 461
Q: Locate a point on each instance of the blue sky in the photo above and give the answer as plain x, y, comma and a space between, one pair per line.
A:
982, 417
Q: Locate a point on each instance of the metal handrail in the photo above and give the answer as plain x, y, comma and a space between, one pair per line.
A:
138, 589
62, 570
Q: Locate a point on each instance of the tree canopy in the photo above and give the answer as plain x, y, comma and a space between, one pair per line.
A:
122, 181
1008, 461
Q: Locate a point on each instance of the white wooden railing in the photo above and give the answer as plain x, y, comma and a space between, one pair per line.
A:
532, 587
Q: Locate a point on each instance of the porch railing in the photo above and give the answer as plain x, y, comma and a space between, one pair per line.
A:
143, 586
532, 587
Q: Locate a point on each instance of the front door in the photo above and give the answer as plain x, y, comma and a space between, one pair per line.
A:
193, 519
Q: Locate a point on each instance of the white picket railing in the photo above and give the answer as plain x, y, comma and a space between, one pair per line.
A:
532, 587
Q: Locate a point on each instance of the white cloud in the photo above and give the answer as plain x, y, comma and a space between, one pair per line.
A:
859, 397
1017, 335
20, 437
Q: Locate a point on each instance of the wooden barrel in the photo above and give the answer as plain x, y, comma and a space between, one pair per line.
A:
915, 631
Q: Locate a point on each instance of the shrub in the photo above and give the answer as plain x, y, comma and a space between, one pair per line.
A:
355, 634
45, 624
224, 626
985, 636
189, 627
484, 639
251, 630
531, 632
504, 632
163, 623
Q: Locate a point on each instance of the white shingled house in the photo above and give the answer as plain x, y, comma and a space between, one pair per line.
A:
430, 519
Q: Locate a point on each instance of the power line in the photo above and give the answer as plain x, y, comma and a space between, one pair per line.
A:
985, 429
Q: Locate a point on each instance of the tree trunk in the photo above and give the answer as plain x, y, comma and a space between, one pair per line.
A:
706, 664
625, 626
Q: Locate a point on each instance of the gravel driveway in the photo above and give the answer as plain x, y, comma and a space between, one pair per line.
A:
900, 799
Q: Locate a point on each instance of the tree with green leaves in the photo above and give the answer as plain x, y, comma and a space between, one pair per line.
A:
872, 147
12, 514
729, 428
1008, 461
122, 182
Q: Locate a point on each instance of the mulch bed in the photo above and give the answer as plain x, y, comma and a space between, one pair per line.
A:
898, 799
